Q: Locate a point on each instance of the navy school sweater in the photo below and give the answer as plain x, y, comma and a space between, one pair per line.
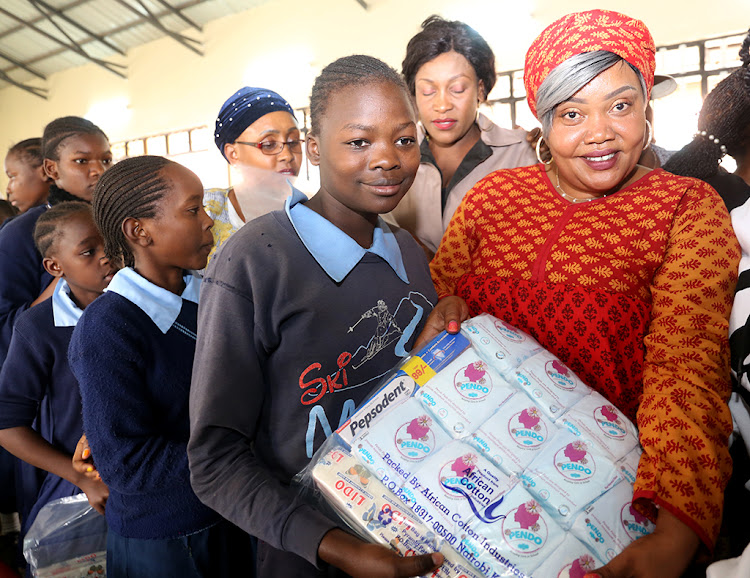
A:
36, 382
134, 382
22, 277
284, 356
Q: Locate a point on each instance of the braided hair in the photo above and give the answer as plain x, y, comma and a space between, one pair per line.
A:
51, 224
439, 36
63, 128
54, 134
132, 188
723, 125
356, 70
29, 151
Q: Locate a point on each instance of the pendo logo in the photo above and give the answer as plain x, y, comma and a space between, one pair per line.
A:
574, 462
508, 331
610, 422
527, 429
579, 567
635, 524
473, 382
524, 530
415, 440
560, 375
457, 473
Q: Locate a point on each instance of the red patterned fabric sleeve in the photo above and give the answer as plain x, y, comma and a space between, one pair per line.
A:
683, 417
453, 257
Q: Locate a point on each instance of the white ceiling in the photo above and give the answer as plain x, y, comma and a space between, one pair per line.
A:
41, 37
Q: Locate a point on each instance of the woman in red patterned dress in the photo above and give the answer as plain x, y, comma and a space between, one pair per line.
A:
626, 274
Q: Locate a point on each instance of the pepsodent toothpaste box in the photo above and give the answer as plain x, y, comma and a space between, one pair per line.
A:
414, 373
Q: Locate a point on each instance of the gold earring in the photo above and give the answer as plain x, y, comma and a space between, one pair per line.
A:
650, 135
539, 152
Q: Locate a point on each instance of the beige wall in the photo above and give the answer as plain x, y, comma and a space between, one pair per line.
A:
284, 43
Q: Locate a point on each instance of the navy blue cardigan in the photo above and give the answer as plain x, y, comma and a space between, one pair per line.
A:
22, 277
37, 384
134, 382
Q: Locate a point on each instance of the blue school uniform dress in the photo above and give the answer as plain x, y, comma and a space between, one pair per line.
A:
132, 353
36, 384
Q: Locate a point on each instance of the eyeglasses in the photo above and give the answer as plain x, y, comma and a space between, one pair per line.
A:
274, 147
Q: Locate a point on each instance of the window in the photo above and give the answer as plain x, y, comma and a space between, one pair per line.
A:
195, 149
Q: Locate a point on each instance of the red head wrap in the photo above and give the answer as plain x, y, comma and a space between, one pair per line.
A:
588, 32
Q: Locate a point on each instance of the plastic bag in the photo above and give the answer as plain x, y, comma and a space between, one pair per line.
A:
68, 539
487, 448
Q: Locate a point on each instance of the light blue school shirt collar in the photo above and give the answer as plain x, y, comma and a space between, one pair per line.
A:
333, 249
160, 305
64, 310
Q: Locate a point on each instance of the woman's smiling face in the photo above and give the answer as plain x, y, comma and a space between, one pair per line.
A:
598, 134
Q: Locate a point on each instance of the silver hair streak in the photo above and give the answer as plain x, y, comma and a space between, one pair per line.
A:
571, 76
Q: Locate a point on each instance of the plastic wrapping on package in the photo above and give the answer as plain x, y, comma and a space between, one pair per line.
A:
501, 344
404, 438
457, 484
552, 386
600, 423
514, 434
463, 395
486, 448
611, 523
571, 559
567, 475
67, 539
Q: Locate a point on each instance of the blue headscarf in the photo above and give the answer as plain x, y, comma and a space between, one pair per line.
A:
242, 109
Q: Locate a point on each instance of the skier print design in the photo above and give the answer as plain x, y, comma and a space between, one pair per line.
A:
380, 329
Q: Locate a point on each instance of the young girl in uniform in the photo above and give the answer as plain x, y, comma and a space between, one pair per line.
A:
28, 184
36, 382
76, 153
132, 354
298, 299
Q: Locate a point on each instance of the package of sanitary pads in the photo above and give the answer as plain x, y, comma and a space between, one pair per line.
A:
522, 537
404, 438
552, 386
485, 447
598, 422
514, 435
611, 523
571, 559
502, 345
464, 394
567, 475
